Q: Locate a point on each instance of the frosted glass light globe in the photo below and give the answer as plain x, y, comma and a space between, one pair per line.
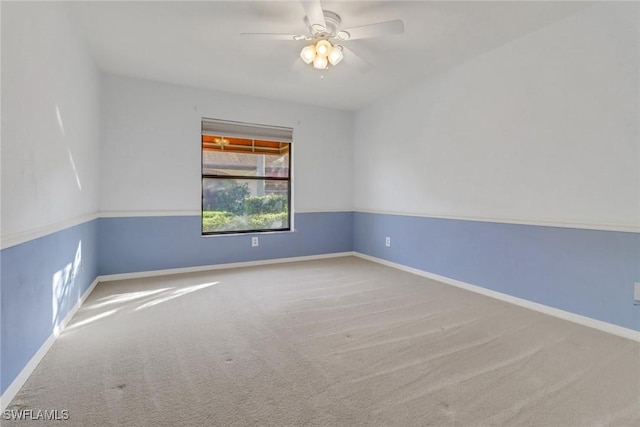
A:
336, 55
323, 48
308, 54
320, 63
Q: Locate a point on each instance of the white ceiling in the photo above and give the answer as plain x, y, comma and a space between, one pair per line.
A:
198, 43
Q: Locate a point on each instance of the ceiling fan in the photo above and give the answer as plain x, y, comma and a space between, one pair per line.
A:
325, 34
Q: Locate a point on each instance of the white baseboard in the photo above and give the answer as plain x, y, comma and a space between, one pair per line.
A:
555, 312
153, 273
26, 372
23, 376
19, 381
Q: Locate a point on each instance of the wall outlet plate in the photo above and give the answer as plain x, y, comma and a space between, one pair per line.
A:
387, 242
254, 241
636, 292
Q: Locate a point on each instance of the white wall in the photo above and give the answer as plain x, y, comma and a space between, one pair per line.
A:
543, 129
50, 120
151, 146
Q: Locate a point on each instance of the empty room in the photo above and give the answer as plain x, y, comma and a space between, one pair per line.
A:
320, 213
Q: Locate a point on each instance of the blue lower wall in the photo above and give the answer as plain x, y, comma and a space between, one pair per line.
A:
587, 272
133, 244
41, 280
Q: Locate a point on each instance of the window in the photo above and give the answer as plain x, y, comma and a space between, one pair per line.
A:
246, 178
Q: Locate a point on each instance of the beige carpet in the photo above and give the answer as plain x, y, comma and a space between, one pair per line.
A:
331, 342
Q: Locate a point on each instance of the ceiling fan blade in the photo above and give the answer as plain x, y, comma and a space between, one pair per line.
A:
313, 9
354, 60
376, 30
272, 36
297, 66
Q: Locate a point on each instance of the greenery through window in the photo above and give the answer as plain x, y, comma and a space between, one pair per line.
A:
246, 182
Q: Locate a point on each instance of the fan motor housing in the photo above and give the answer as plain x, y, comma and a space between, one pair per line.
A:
331, 19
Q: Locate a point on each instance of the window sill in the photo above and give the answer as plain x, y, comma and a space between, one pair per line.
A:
249, 233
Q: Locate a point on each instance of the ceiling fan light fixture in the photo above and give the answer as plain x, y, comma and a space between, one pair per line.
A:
323, 48
324, 28
335, 56
320, 63
308, 54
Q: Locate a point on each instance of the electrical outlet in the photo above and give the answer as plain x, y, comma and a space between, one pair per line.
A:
636, 293
387, 242
254, 241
